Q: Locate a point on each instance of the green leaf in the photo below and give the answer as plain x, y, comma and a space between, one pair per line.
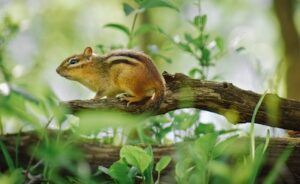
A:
15, 105
201, 40
185, 47
127, 9
195, 71
162, 163
133, 171
200, 21
101, 48
148, 174
102, 169
148, 4
240, 49
188, 38
184, 120
185, 124
136, 157
204, 146
7, 157
204, 129
226, 147
142, 29
120, 172
205, 57
57, 154
256, 163
17, 149
119, 27
159, 119
15, 176
251, 131
219, 168
139, 1
25, 94
272, 176
183, 169
166, 59
17, 101
220, 43
96, 121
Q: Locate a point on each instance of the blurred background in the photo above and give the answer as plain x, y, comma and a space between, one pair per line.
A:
261, 42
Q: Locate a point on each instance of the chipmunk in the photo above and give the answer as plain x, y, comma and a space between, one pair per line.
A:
121, 71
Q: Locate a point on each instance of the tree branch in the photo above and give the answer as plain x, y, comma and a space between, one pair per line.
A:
236, 104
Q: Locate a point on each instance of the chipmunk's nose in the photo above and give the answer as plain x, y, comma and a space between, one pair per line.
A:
58, 70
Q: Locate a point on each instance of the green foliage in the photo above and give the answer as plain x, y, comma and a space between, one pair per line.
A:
252, 123
204, 129
144, 28
148, 4
160, 127
194, 159
121, 172
184, 120
161, 165
15, 177
119, 27
143, 5
127, 9
109, 119
148, 174
136, 163
271, 178
7, 157
200, 45
200, 22
8, 29
209, 160
136, 157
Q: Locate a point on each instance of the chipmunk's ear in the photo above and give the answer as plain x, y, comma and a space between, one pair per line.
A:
88, 52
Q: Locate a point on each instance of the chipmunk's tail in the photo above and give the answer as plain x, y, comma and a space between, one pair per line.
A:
153, 104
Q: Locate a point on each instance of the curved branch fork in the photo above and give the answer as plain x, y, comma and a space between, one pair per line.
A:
236, 104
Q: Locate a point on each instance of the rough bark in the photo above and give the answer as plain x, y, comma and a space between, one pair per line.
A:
98, 154
236, 104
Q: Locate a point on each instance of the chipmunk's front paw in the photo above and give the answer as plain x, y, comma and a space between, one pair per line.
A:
123, 97
130, 99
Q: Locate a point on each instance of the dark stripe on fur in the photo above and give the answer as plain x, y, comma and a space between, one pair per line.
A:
121, 61
129, 54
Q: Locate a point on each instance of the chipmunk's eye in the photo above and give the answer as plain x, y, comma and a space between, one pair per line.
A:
73, 61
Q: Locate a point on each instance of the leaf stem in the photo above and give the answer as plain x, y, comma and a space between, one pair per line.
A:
252, 137
132, 31
199, 7
1, 126
158, 178
3, 70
